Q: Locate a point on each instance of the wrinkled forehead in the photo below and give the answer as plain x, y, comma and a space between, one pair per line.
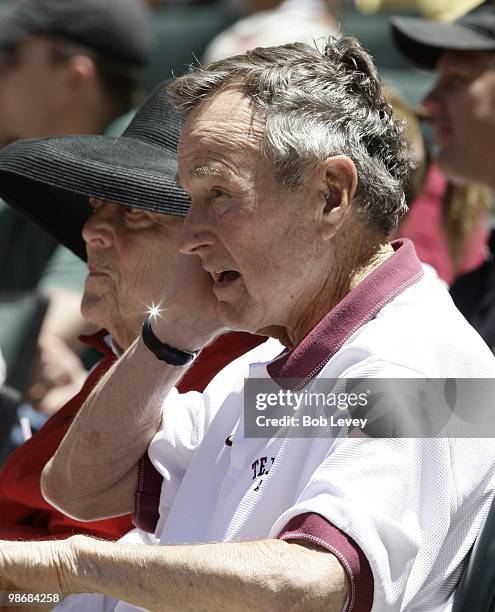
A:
227, 118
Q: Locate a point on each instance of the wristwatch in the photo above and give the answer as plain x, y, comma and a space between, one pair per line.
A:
164, 351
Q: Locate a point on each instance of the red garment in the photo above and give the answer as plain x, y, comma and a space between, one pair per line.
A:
24, 513
215, 357
424, 226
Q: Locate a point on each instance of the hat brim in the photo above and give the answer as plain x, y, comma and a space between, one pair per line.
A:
49, 180
423, 41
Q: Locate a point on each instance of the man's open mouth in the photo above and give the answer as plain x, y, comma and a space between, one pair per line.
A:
225, 276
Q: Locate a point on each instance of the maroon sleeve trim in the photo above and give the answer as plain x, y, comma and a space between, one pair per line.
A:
147, 497
314, 528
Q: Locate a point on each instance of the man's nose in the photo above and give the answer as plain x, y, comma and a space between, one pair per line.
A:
98, 229
433, 101
196, 234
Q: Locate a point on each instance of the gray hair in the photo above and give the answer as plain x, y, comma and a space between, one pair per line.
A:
317, 105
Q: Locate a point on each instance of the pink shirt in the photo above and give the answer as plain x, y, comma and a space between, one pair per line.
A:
424, 226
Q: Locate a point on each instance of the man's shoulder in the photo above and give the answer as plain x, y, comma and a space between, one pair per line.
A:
422, 330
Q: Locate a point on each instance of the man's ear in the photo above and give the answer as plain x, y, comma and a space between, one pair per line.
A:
337, 179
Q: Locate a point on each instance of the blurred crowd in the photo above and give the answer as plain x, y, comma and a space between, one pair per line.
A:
82, 68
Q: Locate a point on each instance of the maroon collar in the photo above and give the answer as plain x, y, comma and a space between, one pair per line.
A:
97, 341
358, 307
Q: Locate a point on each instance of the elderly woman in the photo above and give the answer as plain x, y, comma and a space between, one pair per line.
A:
294, 164
125, 221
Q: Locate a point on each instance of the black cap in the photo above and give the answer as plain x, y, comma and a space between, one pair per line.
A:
117, 29
423, 41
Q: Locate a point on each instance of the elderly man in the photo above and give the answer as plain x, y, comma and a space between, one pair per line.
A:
460, 106
129, 236
294, 165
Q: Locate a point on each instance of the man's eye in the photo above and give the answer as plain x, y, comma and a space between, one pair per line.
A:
217, 193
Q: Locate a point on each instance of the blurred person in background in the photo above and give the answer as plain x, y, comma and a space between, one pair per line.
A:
115, 202
448, 223
274, 22
442, 10
461, 109
66, 67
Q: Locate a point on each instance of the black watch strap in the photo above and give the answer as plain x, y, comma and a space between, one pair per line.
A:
162, 350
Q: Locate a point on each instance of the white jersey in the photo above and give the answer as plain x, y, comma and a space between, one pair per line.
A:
412, 506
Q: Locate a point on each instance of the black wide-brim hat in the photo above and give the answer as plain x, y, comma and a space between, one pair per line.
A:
423, 41
49, 180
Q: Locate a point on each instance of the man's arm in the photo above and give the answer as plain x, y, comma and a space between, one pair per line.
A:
261, 575
94, 472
